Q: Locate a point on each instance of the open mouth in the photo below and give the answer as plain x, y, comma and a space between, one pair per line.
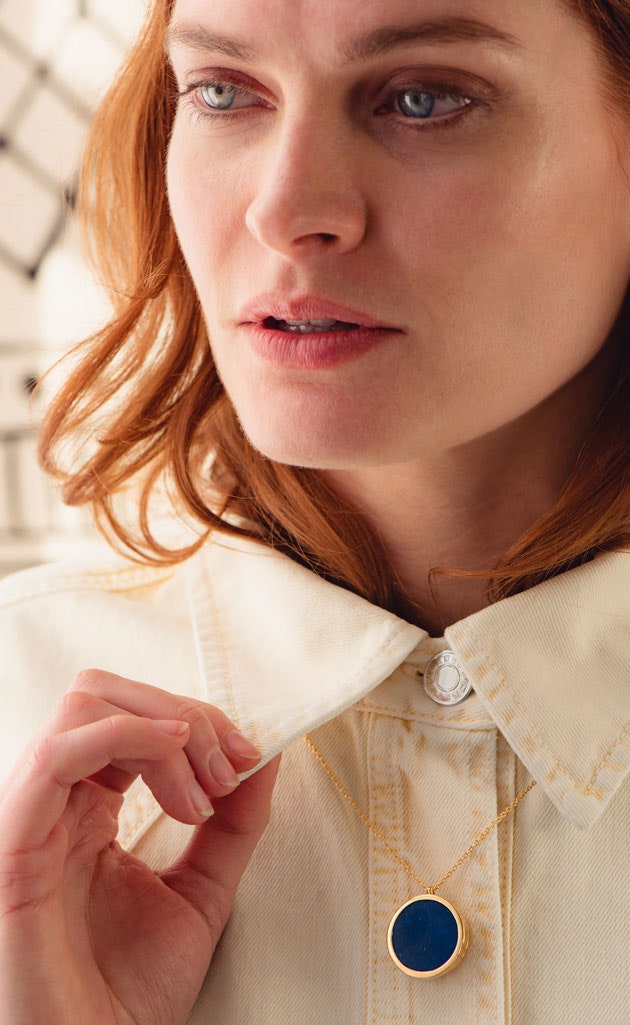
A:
310, 343
307, 327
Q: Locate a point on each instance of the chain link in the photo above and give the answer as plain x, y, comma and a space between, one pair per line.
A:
429, 889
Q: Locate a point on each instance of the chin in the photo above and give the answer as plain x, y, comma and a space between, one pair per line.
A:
301, 445
298, 452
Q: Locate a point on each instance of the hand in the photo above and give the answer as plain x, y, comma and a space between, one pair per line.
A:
88, 933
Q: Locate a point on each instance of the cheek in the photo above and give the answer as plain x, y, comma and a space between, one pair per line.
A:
458, 219
532, 241
207, 208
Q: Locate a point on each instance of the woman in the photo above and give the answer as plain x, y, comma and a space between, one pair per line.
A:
369, 265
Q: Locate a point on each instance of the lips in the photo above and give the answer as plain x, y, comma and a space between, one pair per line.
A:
269, 307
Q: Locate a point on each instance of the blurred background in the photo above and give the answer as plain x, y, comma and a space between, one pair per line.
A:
56, 59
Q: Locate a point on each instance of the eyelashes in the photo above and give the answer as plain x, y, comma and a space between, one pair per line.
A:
226, 89
417, 105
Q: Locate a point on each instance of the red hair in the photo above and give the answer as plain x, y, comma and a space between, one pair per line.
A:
145, 405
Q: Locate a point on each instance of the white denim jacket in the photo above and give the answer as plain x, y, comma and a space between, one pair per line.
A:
547, 893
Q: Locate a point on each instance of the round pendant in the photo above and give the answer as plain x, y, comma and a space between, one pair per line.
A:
427, 937
445, 680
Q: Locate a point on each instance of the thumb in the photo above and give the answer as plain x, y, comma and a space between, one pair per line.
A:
209, 872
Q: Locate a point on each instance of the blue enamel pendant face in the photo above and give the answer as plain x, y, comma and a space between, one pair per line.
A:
427, 937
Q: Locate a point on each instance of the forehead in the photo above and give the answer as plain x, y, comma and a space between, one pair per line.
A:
328, 26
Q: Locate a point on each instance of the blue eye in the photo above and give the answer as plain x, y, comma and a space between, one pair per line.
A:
420, 105
218, 95
416, 104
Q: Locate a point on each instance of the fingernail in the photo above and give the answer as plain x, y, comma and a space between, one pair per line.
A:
171, 726
200, 800
240, 745
221, 769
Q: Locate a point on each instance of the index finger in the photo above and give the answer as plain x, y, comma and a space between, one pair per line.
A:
215, 748
38, 794
144, 699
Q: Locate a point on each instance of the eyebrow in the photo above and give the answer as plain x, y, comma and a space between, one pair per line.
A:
197, 38
374, 44
442, 30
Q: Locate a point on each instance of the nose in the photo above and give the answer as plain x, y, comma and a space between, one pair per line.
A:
307, 198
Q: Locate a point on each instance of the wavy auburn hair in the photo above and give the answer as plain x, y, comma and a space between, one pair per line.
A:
144, 404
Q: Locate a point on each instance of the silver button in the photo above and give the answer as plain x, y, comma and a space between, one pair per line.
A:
445, 680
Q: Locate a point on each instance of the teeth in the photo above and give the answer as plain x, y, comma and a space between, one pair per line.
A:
303, 327
325, 322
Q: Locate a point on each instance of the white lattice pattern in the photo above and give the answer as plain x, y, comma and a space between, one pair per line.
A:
56, 58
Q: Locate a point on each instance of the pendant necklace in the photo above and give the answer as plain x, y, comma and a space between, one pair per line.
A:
427, 937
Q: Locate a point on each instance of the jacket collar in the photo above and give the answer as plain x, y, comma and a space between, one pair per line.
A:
283, 651
552, 665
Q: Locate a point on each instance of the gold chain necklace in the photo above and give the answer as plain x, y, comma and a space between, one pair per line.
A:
426, 936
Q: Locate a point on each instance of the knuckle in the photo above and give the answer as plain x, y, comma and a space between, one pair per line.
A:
190, 712
19, 877
223, 902
90, 680
42, 756
259, 827
75, 705
250, 825
25, 875
110, 728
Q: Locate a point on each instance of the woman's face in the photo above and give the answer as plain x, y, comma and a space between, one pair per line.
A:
445, 169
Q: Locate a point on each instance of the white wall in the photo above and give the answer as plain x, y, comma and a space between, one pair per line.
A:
56, 58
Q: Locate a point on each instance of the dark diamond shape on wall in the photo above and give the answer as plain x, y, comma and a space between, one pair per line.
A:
43, 119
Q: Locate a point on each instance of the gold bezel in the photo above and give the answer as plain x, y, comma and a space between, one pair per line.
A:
457, 955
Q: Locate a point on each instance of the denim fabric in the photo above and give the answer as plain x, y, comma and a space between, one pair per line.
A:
546, 895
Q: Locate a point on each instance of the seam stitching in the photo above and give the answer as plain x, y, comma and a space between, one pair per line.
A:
123, 580
589, 786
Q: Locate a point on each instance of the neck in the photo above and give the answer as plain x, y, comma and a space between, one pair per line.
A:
463, 509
